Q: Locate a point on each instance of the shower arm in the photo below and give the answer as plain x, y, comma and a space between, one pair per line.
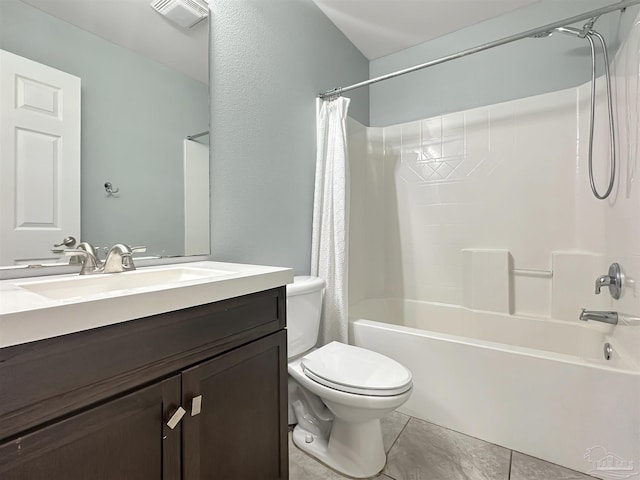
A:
590, 15
588, 27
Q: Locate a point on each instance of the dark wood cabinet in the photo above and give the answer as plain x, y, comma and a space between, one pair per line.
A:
126, 438
94, 405
237, 433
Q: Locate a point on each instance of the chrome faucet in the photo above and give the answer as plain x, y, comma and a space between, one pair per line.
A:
604, 317
92, 250
120, 258
613, 280
90, 261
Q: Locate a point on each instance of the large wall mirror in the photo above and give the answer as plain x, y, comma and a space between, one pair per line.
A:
143, 93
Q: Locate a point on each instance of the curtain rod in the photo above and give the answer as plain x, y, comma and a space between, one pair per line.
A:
192, 137
496, 43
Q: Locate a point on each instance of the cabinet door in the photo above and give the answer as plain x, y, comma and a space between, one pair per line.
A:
124, 439
241, 430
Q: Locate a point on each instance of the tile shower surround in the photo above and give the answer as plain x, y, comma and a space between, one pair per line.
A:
504, 177
418, 450
510, 177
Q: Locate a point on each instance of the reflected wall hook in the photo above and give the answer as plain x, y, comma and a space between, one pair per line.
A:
109, 188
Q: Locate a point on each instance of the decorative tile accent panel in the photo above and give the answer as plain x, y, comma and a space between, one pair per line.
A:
479, 179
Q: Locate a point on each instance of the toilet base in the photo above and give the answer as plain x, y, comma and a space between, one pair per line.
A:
354, 449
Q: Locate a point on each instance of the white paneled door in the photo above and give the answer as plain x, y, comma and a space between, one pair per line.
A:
39, 159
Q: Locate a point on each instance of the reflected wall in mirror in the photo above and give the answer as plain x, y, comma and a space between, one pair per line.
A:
138, 106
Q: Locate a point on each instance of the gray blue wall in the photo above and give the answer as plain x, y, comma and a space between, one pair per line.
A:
269, 60
524, 68
135, 115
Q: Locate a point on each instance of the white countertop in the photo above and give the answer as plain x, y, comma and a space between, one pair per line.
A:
26, 316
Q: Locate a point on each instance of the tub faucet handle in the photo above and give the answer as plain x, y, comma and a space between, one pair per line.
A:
602, 281
613, 280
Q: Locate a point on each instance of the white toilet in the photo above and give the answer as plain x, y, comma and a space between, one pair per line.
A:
337, 393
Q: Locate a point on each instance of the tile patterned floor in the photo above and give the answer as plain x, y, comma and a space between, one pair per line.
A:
418, 450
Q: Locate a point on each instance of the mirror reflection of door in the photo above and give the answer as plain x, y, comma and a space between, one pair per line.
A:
39, 159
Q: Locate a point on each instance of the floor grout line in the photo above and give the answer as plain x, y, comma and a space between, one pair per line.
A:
384, 474
510, 464
398, 437
393, 445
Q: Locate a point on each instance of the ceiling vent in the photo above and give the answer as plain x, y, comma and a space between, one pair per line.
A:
186, 13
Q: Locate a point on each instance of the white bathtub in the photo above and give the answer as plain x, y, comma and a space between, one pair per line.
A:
538, 386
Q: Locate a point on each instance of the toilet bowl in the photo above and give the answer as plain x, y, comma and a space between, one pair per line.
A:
338, 392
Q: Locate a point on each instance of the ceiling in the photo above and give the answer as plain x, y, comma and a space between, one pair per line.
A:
381, 27
134, 25
376, 27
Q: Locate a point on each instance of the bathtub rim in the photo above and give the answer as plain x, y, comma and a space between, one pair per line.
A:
628, 366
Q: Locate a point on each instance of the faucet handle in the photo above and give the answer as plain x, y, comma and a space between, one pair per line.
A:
141, 249
120, 249
613, 280
74, 260
602, 281
91, 249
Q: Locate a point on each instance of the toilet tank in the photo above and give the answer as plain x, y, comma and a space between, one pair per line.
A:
304, 305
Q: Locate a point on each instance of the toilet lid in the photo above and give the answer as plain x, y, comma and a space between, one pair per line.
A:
356, 370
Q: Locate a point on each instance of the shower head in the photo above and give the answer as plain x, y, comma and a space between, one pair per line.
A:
571, 31
566, 30
587, 29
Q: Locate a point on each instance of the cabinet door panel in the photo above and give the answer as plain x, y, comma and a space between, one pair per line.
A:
241, 432
124, 439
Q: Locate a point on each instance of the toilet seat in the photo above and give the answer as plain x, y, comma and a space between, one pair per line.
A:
356, 370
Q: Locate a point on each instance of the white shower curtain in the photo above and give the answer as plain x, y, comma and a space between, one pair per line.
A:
330, 240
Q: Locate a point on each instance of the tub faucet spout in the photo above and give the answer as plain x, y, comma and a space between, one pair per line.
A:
605, 317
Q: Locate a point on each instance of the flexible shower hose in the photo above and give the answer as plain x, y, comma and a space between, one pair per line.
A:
612, 138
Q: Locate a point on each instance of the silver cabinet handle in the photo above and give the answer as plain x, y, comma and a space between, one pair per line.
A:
175, 418
196, 405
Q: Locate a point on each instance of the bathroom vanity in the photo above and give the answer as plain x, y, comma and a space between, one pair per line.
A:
99, 403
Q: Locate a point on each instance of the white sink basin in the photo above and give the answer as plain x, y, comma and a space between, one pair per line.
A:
43, 307
82, 286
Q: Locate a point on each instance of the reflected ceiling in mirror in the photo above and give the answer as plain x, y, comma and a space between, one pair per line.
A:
144, 91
